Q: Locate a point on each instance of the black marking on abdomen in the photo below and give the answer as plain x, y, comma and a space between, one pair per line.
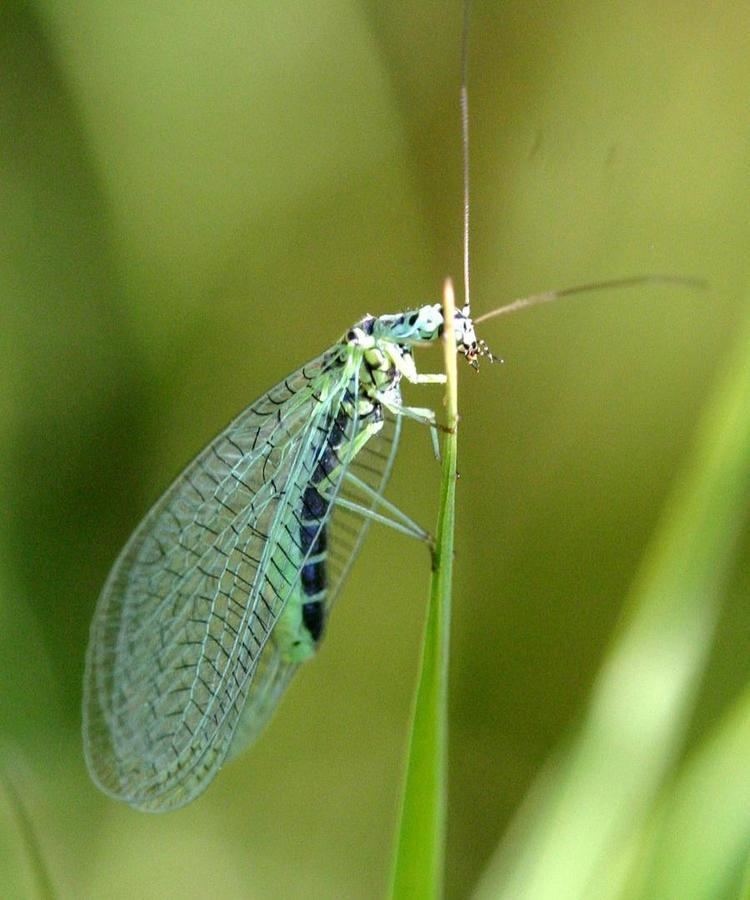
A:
329, 458
313, 577
314, 506
313, 538
314, 618
313, 535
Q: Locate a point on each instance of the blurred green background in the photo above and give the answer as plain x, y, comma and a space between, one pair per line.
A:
196, 198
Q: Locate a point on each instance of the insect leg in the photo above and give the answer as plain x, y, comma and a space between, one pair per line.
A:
421, 414
405, 364
413, 528
427, 378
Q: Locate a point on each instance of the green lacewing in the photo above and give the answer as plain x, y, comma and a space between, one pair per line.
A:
226, 586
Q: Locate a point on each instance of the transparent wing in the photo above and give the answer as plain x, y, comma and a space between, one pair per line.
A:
178, 632
271, 679
373, 465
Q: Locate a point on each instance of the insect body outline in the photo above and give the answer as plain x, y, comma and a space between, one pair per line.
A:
226, 585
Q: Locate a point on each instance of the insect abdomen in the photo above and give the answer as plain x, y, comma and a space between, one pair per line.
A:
302, 623
314, 538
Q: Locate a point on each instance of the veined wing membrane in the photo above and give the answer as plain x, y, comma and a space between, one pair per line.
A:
373, 464
196, 593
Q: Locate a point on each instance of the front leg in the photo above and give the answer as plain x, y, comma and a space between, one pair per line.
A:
421, 414
406, 366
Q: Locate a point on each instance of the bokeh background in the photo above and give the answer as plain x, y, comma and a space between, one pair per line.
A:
195, 199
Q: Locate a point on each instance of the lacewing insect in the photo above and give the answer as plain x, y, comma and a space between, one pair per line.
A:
226, 586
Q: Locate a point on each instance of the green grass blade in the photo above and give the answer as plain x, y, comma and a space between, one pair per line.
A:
591, 809
698, 846
420, 849
28, 877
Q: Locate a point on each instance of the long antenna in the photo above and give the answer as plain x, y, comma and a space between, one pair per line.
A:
549, 296
465, 146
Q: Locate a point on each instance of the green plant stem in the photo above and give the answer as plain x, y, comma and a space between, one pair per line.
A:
420, 850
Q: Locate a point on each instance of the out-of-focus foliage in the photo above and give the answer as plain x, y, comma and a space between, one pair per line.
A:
589, 829
198, 197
